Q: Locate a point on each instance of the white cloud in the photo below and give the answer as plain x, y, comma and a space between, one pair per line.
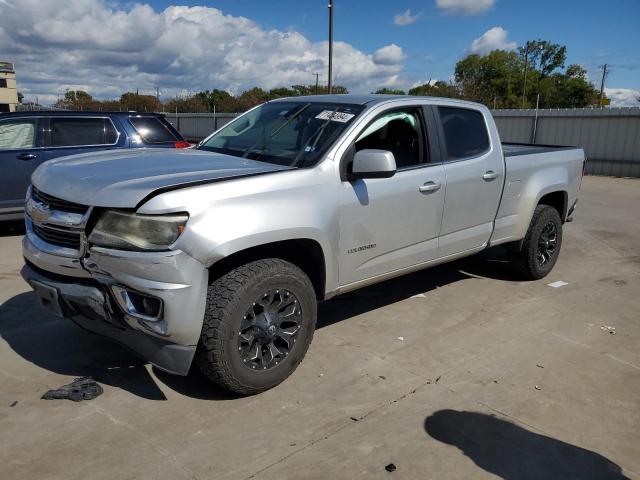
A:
389, 55
405, 18
623, 97
107, 50
465, 7
493, 39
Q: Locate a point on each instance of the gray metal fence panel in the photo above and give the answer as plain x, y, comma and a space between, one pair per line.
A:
196, 126
610, 137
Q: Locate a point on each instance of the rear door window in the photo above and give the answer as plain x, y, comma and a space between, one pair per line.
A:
77, 132
17, 134
153, 130
465, 133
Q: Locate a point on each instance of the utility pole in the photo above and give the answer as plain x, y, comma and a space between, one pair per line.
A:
317, 79
524, 86
330, 44
158, 94
604, 76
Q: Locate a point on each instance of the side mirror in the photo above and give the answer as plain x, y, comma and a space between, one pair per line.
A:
372, 163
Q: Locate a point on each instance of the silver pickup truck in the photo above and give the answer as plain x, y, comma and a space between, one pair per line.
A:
219, 254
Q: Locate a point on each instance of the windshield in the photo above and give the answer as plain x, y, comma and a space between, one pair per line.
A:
285, 133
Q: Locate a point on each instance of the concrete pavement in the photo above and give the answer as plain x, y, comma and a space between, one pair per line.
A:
461, 371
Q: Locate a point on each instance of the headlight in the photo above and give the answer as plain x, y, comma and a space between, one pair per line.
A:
129, 231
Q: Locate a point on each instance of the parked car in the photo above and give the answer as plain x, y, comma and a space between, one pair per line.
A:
219, 254
27, 139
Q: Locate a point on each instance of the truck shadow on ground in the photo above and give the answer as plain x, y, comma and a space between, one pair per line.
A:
12, 228
512, 452
60, 346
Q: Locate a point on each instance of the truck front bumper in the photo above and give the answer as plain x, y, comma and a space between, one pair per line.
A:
151, 302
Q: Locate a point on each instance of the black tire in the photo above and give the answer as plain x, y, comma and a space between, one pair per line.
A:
220, 356
528, 262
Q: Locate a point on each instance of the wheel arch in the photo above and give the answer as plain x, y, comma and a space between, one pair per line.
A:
307, 254
557, 199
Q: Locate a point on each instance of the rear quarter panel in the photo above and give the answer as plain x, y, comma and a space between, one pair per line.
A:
528, 179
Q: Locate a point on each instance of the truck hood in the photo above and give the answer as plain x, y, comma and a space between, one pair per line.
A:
123, 178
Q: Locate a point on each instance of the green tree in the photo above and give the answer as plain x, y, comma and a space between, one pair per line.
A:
76, 100
192, 104
542, 58
139, 103
436, 89
218, 100
389, 91
20, 97
490, 79
322, 89
250, 98
571, 89
497, 78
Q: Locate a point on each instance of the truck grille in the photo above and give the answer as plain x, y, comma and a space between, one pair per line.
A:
57, 223
58, 236
57, 203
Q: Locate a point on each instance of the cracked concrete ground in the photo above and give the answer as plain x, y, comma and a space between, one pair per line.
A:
492, 377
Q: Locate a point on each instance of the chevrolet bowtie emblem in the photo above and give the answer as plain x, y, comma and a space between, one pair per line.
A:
40, 212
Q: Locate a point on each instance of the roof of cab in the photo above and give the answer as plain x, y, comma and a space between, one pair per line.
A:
367, 99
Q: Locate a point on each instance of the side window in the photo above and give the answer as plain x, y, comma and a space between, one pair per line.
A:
399, 132
77, 132
465, 133
17, 134
152, 130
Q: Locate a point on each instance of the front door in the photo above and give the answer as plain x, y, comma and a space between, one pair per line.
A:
20, 154
388, 224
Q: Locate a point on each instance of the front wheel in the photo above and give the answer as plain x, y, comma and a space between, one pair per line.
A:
541, 245
258, 324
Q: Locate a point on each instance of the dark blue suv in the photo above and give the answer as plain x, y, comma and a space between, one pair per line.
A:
29, 138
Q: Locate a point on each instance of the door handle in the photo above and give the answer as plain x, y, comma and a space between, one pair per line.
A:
429, 187
490, 175
27, 156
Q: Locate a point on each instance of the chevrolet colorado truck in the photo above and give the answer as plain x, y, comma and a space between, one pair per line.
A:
218, 255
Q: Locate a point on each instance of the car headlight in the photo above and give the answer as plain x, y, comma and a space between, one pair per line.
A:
129, 231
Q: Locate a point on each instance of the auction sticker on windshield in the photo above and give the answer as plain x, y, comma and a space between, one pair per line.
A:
335, 116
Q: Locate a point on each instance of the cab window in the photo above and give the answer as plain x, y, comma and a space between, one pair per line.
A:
399, 132
465, 133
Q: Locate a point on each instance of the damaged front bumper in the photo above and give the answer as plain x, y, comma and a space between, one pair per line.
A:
151, 302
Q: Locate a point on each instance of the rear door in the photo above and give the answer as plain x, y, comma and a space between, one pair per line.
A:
20, 154
69, 135
474, 170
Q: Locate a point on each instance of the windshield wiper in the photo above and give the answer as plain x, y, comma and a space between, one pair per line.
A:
317, 134
274, 132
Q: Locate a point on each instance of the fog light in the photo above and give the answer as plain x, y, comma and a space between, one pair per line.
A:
138, 305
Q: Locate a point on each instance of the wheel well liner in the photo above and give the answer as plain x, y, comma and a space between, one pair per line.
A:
557, 200
304, 253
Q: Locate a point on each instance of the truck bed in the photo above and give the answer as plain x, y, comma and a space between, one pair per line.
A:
513, 149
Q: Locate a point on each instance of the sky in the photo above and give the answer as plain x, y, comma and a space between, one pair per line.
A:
107, 47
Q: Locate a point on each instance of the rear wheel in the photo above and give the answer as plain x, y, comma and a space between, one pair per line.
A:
541, 245
258, 325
